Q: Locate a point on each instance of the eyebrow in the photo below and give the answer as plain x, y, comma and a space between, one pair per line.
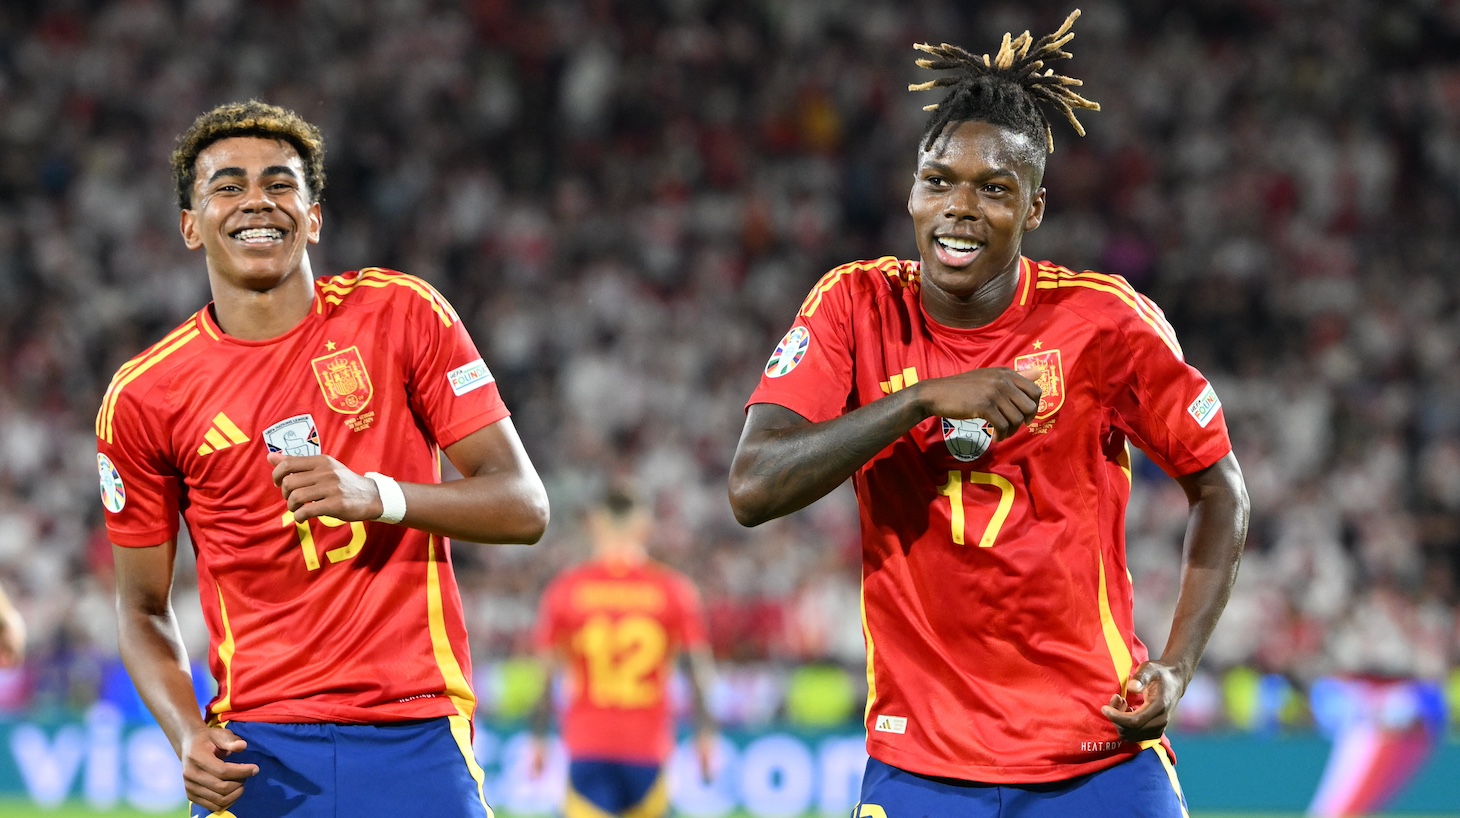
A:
271, 170
946, 170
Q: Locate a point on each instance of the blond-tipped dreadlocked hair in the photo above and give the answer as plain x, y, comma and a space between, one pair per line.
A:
1008, 90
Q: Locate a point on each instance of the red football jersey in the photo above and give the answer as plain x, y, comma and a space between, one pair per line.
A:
620, 629
330, 621
996, 602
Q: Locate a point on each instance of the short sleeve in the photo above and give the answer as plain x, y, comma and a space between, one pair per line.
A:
811, 370
1165, 405
450, 385
139, 485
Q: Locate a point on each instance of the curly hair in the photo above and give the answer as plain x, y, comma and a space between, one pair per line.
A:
1008, 90
251, 118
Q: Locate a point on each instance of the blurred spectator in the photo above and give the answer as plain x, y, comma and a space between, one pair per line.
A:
625, 199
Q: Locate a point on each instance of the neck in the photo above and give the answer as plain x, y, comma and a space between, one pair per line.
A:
259, 315
626, 555
977, 308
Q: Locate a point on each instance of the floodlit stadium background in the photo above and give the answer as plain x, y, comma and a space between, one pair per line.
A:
626, 202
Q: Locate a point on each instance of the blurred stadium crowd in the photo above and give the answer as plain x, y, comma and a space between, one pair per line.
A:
626, 201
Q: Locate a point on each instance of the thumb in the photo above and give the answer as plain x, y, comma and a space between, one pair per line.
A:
1142, 677
226, 741
274, 458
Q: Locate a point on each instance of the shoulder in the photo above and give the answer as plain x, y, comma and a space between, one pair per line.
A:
1102, 298
559, 587
863, 279
138, 378
671, 578
377, 285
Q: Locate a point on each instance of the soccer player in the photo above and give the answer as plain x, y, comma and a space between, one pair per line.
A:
618, 623
296, 424
982, 404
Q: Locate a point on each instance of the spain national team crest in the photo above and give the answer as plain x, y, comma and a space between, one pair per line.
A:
297, 437
343, 380
1045, 369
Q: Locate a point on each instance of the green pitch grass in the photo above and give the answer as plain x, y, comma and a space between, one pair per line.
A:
22, 809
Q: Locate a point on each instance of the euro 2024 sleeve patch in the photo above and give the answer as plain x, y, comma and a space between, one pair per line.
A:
789, 352
113, 493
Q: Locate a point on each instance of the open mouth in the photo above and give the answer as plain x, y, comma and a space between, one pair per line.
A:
956, 251
258, 235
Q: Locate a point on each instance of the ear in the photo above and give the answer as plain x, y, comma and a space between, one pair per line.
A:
1036, 211
188, 226
316, 220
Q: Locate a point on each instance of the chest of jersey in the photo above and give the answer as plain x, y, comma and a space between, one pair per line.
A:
1060, 355
325, 391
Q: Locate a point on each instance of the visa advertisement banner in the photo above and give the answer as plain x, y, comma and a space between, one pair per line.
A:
107, 763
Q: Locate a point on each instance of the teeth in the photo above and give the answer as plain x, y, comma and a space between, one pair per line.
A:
259, 234
955, 243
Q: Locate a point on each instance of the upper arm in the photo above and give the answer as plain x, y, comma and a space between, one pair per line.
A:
1221, 479
492, 449
1166, 405
765, 422
144, 577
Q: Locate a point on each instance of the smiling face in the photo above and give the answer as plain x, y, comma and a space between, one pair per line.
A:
252, 214
976, 193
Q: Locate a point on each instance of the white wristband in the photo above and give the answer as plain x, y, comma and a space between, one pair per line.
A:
392, 499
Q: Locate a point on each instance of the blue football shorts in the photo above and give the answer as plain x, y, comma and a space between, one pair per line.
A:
1143, 787
601, 789
366, 770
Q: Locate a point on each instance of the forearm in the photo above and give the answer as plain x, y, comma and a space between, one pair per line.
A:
152, 651
1216, 532
701, 681
541, 716
783, 469
505, 507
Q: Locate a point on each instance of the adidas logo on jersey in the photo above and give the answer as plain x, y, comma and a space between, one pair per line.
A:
891, 724
221, 435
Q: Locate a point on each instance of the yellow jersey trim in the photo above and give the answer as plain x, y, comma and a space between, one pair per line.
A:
888, 265
226, 649
1114, 642
206, 324
1052, 278
134, 369
871, 651
456, 685
1026, 278
335, 291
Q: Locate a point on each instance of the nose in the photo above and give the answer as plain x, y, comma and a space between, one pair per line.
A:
962, 202
255, 201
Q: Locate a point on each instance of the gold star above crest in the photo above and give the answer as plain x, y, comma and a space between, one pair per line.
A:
1039, 345
329, 346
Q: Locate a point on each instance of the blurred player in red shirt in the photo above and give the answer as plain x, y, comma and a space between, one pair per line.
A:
617, 624
296, 424
982, 404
